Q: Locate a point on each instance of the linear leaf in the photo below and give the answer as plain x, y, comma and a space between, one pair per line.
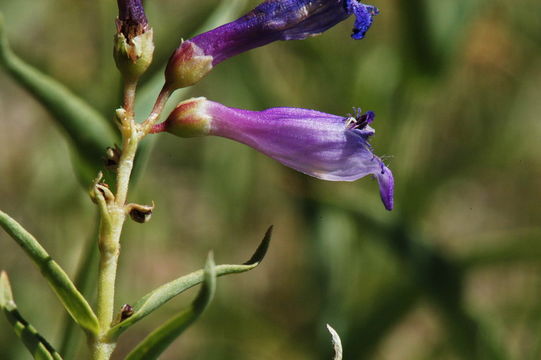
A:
83, 279
156, 343
88, 131
166, 292
34, 342
71, 298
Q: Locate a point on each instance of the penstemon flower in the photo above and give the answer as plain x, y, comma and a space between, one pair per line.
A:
270, 21
325, 146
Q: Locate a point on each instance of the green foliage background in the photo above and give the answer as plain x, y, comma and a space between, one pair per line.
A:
454, 272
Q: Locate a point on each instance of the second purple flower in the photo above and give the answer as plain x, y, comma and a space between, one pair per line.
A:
272, 20
325, 146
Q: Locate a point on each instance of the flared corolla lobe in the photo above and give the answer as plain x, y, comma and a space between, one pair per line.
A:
270, 21
364, 16
325, 146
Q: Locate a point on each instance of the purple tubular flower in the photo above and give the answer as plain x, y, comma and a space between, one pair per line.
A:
282, 20
270, 21
325, 146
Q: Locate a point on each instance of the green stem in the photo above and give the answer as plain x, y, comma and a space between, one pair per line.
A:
109, 244
129, 96
159, 105
113, 217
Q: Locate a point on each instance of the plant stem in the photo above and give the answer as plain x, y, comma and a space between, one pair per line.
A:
114, 214
159, 105
109, 245
129, 96
111, 229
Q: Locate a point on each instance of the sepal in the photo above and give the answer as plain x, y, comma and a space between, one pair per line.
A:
133, 56
187, 66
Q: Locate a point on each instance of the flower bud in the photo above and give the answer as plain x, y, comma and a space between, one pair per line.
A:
187, 66
133, 43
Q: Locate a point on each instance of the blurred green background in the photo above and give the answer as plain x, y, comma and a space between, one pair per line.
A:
454, 272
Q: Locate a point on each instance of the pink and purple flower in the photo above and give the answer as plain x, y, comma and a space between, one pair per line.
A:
325, 146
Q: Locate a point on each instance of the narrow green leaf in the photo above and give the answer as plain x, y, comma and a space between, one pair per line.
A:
84, 278
166, 292
155, 343
71, 298
34, 342
88, 131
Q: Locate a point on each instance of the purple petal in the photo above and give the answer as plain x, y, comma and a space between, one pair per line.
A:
131, 18
325, 146
282, 20
131, 10
386, 187
312, 142
364, 15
